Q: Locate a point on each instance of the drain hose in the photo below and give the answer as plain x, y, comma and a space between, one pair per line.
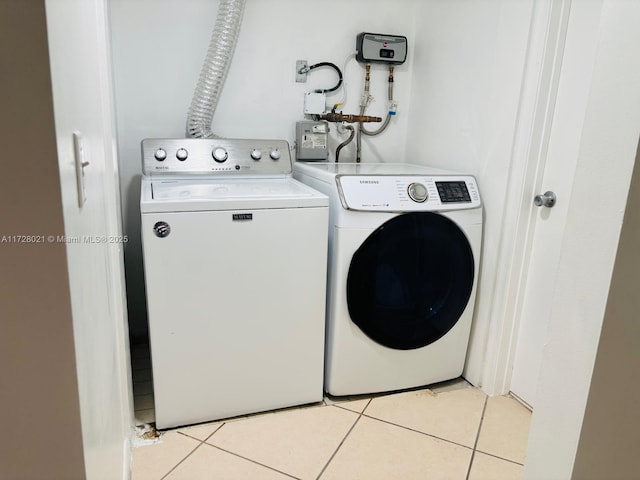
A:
215, 68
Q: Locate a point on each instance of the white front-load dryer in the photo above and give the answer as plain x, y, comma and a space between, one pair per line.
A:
404, 254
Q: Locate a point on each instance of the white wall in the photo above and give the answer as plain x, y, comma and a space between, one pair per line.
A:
81, 85
159, 48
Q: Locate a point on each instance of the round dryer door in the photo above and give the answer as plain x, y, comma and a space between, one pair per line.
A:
410, 280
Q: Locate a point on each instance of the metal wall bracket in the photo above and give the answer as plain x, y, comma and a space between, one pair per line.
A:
302, 69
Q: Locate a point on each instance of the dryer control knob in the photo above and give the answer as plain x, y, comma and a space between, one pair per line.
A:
417, 192
182, 154
219, 154
256, 154
275, 154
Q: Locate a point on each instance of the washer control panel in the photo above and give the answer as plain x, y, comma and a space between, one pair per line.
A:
217, 156
399, 193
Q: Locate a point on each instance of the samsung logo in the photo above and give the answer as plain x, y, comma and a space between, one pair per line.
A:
242, 216
375, 182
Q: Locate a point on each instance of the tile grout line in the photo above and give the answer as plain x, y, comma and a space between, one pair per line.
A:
432, 435
192, 451
360, 415
208, 436
235, 454
181, 461
418, 431
143, 409
346, 409
500, 458
475, 444
252, 461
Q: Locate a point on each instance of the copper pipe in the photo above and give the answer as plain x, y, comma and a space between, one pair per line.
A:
349, 118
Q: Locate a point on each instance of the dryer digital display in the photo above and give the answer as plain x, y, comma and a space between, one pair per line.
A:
453, 192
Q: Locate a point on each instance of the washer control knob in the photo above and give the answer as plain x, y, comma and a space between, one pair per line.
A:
417, 192
275, 154
256, 154
182, 154
160, 154
220, 154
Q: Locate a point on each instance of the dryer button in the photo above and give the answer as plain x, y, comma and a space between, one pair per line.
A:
417, 192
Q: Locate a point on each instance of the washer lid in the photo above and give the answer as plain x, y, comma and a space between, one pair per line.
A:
226, 194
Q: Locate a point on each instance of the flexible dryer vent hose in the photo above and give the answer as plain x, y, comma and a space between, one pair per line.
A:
215, 68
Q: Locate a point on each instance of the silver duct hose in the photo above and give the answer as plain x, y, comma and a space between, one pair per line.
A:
215, 68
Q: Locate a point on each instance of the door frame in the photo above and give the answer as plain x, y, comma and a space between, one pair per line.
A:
545, 51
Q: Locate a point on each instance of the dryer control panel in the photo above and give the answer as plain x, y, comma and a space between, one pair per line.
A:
395, 193
215, 156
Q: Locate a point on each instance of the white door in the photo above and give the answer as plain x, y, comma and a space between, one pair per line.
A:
568, 393
557, 146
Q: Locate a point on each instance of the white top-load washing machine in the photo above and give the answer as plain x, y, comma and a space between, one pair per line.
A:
235, 270
404, 251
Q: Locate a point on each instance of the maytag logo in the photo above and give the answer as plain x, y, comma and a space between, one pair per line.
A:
242, 216
370, 182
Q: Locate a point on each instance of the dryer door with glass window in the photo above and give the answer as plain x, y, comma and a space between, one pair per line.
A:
410, 280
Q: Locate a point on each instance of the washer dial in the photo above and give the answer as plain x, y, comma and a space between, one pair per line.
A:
160, 154
182, 154
220, 154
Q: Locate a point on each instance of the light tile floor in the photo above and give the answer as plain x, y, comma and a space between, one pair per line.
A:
450, 431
